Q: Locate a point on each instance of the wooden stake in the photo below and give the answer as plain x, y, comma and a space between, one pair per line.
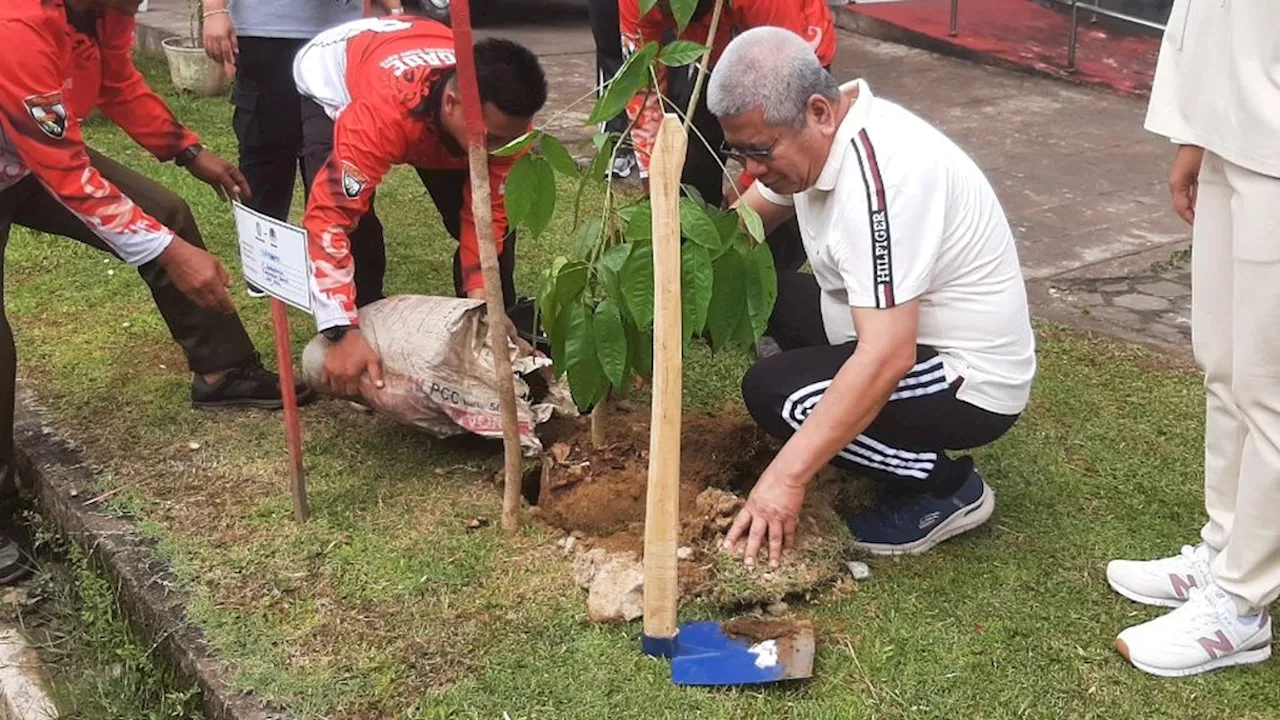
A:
478, 159
662, 506
292, 424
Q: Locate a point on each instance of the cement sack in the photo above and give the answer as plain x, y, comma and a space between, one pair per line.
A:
437, 369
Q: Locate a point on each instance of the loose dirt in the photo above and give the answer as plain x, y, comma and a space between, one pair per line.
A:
599, 493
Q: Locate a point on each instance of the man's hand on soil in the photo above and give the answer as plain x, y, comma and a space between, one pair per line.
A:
347, 362
222, 176
771, 513
198, 274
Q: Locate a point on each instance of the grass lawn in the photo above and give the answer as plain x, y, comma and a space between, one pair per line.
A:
385, 605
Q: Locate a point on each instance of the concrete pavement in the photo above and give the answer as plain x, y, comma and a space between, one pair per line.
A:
1082, 183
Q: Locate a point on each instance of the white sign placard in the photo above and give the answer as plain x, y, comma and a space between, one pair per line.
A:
273, 255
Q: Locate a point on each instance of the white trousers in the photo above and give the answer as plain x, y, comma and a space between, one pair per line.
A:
1235, 282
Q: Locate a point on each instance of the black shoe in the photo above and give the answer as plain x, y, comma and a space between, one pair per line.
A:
253, 386
14, 564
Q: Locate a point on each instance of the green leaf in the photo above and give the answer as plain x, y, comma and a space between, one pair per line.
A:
640, 345
611, 341
693, 193
751, 220
696, 225
744, 336
599, 139
646, 6
683, 12
762, 288
631, 78
559, 334
586, 378
517, 146
726, 223
587, 239
696, 277
637, 285
521, 189
639, 220
570, 282
544, 201
728, 299
559, 158
681, 52
598, 170
610, 268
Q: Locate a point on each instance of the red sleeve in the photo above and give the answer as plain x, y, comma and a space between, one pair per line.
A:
468, 247
38, 126
128, 100
366, 143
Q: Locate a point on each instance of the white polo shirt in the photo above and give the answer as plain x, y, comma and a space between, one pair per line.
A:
901, 213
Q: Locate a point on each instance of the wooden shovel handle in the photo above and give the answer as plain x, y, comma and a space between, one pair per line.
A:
662, 509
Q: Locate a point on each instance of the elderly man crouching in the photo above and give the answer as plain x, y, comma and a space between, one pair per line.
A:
912, 336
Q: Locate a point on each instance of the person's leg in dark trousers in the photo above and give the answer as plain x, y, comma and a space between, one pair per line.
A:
445, 188
268, 122
213, 341
607, 34
14, 563
935, 496
368, 246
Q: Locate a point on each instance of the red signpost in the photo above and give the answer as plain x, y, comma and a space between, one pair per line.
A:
292, 424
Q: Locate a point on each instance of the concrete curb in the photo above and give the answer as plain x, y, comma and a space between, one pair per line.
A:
149, 37
151, 596
22, 694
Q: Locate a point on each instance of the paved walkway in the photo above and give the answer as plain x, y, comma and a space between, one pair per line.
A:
1082, 183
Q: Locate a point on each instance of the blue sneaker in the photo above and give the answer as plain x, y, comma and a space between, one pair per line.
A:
909, 524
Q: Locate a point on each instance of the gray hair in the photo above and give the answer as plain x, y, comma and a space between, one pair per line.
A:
769, 68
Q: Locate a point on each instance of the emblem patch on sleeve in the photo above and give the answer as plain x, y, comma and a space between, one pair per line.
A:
353, 181
49, 113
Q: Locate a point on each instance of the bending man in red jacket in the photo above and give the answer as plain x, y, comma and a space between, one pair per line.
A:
382, 93
61, 58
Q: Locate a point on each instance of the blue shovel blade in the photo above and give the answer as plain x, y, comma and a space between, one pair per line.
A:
705, 655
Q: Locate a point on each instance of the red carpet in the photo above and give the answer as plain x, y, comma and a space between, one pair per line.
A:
1022, 34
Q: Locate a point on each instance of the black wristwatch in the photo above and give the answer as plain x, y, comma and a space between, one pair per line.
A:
336, 333
186, 157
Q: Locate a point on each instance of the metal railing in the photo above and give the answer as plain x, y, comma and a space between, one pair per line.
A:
1076, 7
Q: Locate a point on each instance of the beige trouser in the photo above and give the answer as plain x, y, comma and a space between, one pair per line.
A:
1235, 285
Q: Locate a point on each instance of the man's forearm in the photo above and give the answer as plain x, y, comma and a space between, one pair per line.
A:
856, 396
209, 6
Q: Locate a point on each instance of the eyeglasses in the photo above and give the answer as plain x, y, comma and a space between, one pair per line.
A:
757, 154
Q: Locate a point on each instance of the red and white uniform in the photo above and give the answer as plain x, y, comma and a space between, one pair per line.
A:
53, 75
372, 77
810, 19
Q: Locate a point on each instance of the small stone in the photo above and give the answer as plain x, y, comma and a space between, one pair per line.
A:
569, 543
164, 367
111, 273
1119, 316
1140, 302
477, 523
126, 325
858, 570
535, 511
74, 493
684, 553
193, 446
1165, 289
778, 608
585, 566
617, 590
576, 534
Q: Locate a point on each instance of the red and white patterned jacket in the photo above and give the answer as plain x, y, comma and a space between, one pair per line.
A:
372, 76
53, 75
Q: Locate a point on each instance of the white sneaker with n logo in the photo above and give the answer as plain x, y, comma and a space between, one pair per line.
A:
1166, 582
1205, 633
